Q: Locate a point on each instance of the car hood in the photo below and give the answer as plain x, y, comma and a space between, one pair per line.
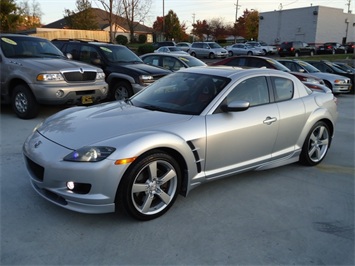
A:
81, 126
52, 64
328, 76
146, 69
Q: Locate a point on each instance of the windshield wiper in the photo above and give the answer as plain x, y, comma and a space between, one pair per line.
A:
153, 108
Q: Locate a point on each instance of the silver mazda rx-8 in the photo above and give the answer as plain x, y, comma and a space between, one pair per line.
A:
192, 126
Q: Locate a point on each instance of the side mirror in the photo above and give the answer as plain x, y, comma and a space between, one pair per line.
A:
96, 61
236, 106
69, 56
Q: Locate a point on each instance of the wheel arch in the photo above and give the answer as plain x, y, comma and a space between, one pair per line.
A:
12, 84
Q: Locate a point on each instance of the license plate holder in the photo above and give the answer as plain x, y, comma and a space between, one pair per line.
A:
87, 99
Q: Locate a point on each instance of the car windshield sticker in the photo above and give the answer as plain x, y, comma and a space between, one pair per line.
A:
9, 41
106, 49
183, 59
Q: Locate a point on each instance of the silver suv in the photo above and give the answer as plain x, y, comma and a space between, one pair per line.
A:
34, 72
207, 49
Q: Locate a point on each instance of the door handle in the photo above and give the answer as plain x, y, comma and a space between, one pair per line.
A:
269, 120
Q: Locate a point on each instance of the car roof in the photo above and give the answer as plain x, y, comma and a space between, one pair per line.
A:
168, 54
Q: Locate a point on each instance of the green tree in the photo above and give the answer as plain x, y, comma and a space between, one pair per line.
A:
83, 19
10, 17
171, 28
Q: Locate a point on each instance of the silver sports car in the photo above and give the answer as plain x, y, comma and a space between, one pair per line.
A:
190, 127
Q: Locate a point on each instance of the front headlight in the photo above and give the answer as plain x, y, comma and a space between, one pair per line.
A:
100, 76
146, 79
89, 154
50, 77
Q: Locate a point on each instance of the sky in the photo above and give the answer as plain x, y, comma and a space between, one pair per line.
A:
189, 11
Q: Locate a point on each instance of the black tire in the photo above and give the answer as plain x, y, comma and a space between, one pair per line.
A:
193, 54
211, 56
153, 195
312, 53
297, 54
120, 91
24, 103
316, 144
249, 53
230, 53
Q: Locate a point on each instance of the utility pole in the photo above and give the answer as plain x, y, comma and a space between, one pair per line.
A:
163, 21
348, 4
193, 22
236, 11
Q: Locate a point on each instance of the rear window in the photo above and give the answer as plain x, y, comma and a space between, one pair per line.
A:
286, 45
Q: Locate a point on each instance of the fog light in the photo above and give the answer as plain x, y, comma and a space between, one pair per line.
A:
59, 93
70, 185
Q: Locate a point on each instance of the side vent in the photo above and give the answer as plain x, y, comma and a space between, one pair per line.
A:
197, 157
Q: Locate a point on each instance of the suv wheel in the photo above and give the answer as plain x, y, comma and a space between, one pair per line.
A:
297, 54
120, 91
24, 103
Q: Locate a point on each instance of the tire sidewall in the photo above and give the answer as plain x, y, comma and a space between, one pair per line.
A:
32, 107
124, 195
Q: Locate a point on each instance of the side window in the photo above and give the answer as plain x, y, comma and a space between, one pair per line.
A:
255, 62
87, 53
253, 90
236, 62
74, 50
151, 60
283, 89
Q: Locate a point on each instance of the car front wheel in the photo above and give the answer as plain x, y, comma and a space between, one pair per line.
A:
120, 91
316, 144
24, 103
150, 186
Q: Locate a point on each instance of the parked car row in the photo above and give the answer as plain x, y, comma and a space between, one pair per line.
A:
306, 72
104, 71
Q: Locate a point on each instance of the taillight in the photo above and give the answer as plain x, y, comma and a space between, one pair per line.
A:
292, 48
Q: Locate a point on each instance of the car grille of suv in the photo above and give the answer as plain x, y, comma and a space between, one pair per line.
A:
77, 76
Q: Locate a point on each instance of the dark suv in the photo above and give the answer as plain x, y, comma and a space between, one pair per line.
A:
296, 48
126, 73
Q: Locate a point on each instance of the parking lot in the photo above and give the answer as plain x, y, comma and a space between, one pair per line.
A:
292, 215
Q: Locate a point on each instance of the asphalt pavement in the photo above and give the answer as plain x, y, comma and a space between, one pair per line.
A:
292, 215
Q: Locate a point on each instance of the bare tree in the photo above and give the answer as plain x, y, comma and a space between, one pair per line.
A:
31, 14
110, 6
134, 11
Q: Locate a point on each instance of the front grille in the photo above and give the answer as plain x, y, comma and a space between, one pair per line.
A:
77, 76
36, 169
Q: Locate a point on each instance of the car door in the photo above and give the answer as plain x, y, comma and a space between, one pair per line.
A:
292, 117
238, 140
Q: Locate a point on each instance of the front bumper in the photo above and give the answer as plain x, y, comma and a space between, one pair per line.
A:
47, 93
97, 182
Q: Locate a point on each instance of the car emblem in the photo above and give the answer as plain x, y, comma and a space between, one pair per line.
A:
81, 70
37, 144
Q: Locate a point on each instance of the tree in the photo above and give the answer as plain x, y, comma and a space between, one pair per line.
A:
10, 17
172, 27
134, 10
248, 24
31, 14
83, 19
217, 29
110, 7
201, 29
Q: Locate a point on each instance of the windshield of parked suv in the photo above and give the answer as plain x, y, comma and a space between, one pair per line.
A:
27, 47
309, 67
181, 93
119, 54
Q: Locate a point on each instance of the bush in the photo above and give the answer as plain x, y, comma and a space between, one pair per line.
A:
145, 48
121, 39
142, 38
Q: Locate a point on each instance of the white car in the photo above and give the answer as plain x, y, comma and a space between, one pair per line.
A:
268, 49
170, 49
243, 49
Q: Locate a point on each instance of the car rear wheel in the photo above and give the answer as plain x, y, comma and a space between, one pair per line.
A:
193, 54
249, 53
150, 186
120, 91
211, 56
312, 53
297, 54
316, 144
24, 103
230, 53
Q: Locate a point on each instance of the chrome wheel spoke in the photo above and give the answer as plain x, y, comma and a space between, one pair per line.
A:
147, 203
164, 197
139, 188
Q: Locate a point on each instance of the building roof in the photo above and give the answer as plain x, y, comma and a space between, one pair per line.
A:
102, 21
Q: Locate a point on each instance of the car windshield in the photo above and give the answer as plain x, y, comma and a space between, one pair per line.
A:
337, 69
309, 68
181, 93
28, 47
192, 61
119, 54
214, 45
